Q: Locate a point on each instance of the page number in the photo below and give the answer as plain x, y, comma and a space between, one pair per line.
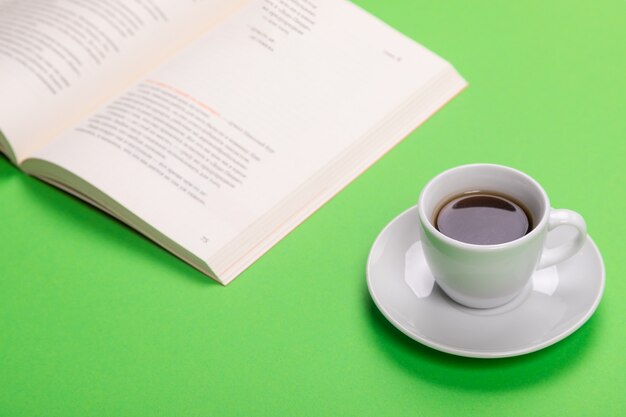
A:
393, 56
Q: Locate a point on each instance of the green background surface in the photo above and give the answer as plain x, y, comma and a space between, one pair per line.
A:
97, 321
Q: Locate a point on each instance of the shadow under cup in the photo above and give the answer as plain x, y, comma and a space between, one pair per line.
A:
483, 276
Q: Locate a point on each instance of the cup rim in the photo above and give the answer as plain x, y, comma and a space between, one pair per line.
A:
426, 222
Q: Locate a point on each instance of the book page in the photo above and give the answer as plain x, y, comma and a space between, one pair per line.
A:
60, 59
206, 144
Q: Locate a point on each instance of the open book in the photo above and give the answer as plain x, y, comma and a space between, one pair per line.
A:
213, 127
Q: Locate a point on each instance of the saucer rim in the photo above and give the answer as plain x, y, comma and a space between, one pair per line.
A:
470, 353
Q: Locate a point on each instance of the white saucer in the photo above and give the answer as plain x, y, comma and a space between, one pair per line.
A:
557, 301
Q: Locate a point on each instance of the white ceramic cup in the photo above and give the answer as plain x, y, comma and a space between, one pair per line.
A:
485, 276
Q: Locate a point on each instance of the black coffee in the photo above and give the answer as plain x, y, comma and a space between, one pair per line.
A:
483, 218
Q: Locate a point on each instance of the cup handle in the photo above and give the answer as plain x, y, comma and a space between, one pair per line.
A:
563, 217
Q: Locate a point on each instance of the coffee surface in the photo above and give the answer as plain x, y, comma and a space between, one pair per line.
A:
483, 218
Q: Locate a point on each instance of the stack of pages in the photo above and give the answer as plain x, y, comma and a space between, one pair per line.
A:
213, 127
